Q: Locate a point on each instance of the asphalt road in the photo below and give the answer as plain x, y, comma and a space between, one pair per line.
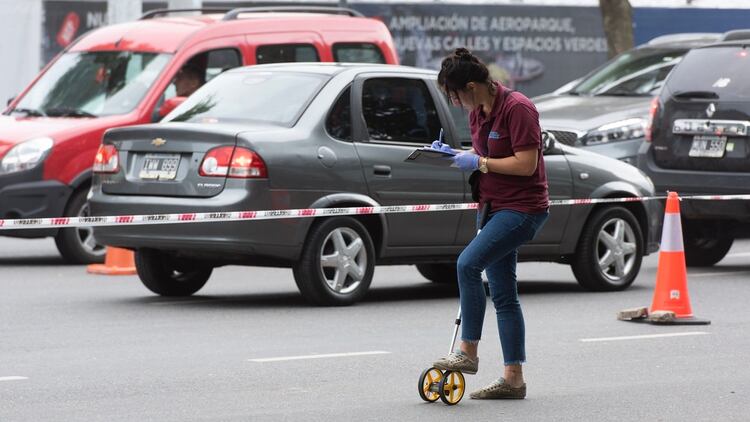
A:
79, 347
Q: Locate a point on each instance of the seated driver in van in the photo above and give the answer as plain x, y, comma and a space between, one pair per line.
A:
188, 80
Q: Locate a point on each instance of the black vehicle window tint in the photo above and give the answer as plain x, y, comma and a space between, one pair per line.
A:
339, 121
218, 61
285, 53
357, 53
719, 70
397, 109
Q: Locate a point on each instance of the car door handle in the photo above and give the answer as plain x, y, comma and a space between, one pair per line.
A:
381, 170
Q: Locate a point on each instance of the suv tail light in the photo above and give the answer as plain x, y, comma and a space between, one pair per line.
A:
106, 160
652, 112
235, 162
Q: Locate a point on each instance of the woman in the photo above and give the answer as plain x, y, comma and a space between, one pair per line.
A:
507, 150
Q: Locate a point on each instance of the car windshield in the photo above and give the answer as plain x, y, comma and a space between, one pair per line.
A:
634, 73
725, 79
90, 84
254, 96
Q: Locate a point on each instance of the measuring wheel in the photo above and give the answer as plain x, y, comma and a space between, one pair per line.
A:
428, 384
451, 387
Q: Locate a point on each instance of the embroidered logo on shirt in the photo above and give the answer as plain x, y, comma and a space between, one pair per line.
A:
494, 135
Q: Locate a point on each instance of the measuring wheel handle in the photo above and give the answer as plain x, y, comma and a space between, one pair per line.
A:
428, 386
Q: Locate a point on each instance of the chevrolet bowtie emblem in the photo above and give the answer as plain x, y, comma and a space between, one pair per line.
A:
157, 142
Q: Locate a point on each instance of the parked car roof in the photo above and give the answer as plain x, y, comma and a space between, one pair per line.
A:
334, 68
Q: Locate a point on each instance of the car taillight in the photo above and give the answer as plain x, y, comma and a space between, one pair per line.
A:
236, 162
106, 160
652, 112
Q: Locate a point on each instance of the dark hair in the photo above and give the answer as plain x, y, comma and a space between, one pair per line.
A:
460, 68
192, 72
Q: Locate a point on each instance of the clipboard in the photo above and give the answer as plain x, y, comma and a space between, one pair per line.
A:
427, 155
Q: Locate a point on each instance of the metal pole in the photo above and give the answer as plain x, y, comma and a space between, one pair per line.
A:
455, 330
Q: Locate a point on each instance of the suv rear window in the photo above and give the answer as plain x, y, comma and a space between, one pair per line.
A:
357, 53
720, 70
286, 53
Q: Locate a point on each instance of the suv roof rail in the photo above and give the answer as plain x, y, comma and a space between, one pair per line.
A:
234, 13
685, 37
736, 34
160, 12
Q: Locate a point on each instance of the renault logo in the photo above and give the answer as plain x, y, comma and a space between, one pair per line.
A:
710, 110
157, 142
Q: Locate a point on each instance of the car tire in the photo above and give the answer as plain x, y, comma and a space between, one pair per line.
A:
439, 273
77, 245
337, 262
703, 247
169, 276
610, 251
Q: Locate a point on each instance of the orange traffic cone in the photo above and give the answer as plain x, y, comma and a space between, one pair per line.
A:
118, 261
671, 292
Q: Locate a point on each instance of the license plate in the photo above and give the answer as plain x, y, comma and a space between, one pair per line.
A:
160, 166
708, 146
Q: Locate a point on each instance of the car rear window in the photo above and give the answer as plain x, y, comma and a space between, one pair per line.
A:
357, 53
719, 70
251, 96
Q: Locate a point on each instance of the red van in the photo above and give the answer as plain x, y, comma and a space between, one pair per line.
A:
130, 74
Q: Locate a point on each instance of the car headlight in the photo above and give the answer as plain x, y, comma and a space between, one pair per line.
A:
618, 131
26, 155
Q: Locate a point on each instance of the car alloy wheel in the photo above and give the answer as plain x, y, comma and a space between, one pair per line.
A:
343, 260
616, 249
337, 262
86, 236
610, 250
78, 245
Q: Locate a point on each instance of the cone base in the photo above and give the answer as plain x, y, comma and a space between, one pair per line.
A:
682, 321
106, 270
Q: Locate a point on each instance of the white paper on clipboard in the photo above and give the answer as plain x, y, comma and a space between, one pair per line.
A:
427, 155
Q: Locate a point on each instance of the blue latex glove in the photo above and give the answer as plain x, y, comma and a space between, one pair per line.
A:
466, 161
441, 146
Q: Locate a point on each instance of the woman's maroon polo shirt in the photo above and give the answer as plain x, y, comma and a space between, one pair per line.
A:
511, 126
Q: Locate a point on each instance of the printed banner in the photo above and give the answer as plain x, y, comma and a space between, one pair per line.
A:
64, 21
533, 49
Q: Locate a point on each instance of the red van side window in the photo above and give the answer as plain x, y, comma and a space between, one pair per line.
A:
357, 53
284, 53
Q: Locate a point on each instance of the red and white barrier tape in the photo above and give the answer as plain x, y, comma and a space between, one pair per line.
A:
206, 217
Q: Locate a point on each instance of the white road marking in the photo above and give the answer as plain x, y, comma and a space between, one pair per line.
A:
716, 274
687, 333
738, 255
12, 378
330, 355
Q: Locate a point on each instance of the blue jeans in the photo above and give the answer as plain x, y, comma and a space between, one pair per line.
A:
495, 249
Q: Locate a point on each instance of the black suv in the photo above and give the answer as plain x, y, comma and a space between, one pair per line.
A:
700, 144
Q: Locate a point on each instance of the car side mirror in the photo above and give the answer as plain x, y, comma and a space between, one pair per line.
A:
170, 105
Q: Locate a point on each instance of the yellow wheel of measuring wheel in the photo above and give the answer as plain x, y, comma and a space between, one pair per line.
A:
428, 384
451, 388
